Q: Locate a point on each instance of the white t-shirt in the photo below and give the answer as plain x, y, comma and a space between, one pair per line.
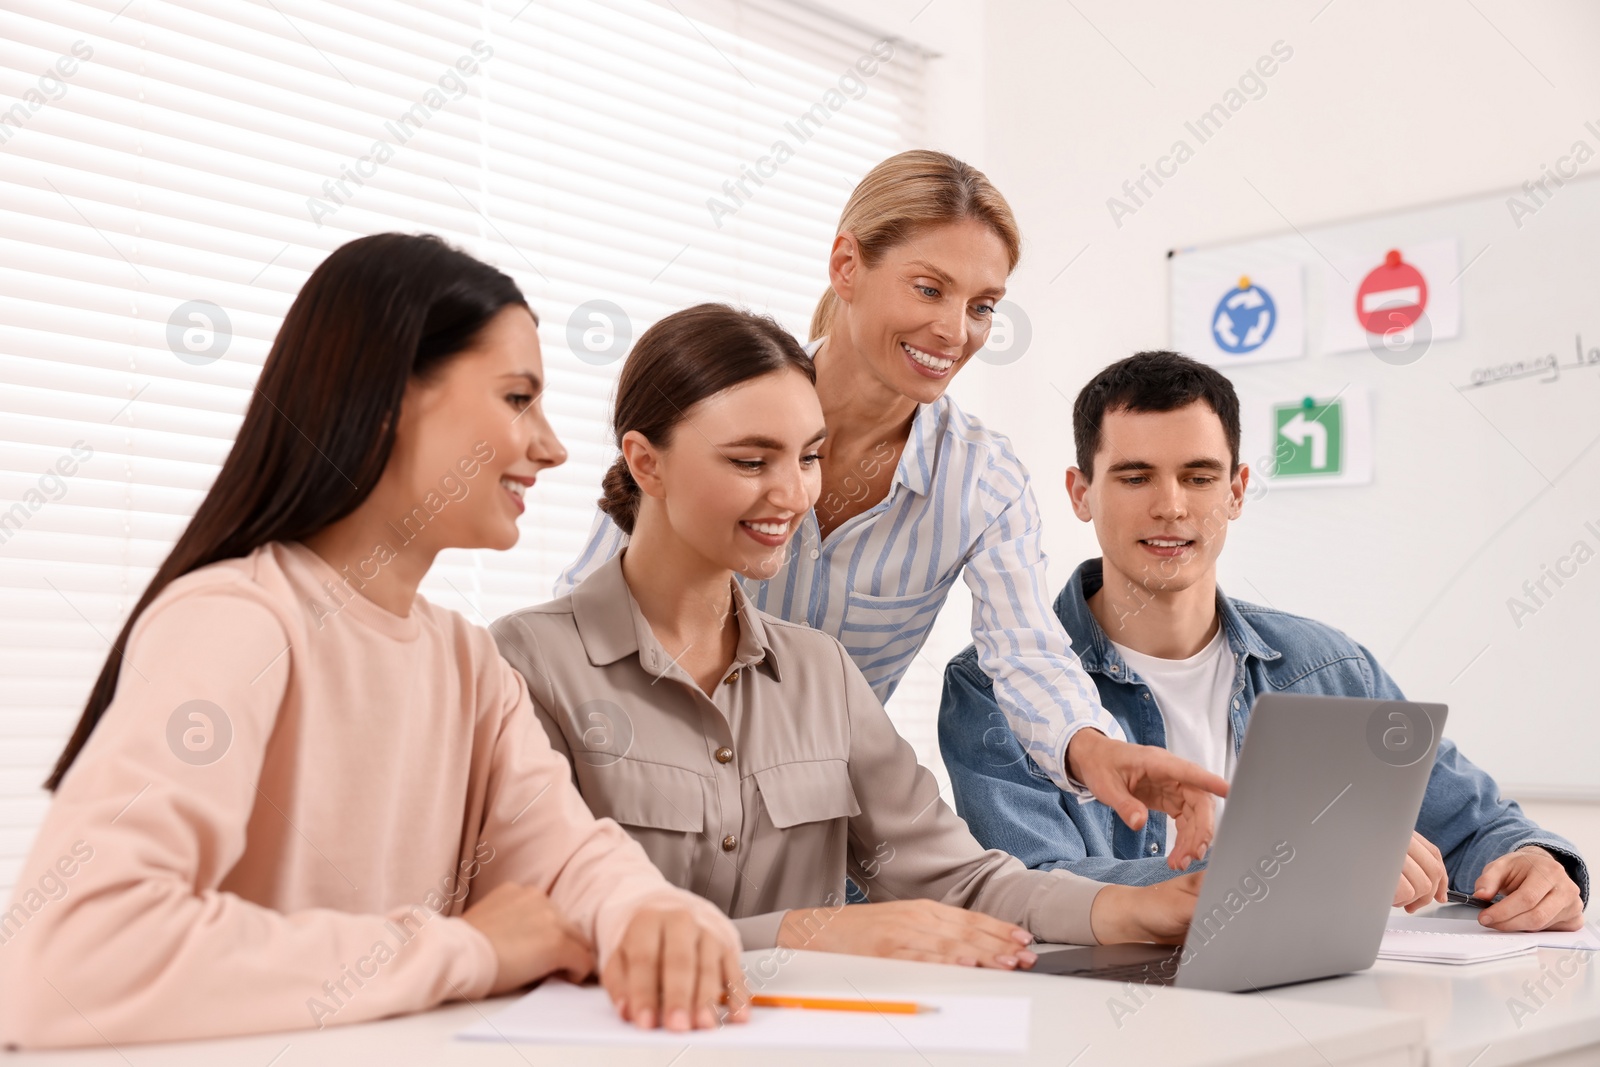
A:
1192, 695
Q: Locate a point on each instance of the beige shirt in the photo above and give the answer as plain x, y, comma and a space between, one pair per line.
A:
762, 796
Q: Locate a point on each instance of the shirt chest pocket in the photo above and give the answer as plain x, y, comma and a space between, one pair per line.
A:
883, 633
889, 617
810, 792
662, 807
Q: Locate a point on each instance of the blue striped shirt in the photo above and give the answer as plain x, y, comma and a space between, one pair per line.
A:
959, 505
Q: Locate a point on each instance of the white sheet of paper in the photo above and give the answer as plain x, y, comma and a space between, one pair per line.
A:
1586, 938
1421, 946
560, 1013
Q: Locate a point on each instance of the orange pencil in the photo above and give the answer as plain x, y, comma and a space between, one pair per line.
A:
887, 1007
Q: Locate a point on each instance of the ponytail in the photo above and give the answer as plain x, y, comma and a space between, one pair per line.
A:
822, 317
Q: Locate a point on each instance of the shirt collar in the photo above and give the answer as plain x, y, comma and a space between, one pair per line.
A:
1094, 647
915, 471
611, 626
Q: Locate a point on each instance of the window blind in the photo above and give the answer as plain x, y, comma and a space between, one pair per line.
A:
170, 174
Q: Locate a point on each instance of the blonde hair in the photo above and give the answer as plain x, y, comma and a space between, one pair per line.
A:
908, 193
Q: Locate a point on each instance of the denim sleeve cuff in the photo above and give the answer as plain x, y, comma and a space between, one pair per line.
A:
1576, 869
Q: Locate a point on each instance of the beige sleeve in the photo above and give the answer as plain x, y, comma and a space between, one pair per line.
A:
514, 639
908, 843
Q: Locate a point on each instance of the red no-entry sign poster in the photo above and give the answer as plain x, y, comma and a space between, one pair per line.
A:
1392, 296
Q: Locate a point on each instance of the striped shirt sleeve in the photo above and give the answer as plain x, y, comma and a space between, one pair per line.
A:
1042, 689
605, 540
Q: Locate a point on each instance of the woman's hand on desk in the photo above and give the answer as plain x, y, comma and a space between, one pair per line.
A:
1159, 912
531, 937
1539, 894
923, 930
671, 969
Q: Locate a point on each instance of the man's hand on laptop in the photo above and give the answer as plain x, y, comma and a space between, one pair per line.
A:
1130, 779
1539, 894
1159, 912
1423, 879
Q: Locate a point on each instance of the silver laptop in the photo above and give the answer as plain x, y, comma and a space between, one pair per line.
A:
1307, 855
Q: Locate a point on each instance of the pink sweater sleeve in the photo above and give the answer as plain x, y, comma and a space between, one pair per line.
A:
141, 945
537, 820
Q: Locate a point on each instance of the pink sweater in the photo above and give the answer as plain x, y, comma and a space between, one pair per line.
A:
284, 812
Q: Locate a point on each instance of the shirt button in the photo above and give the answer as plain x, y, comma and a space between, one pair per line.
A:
1113, 669
1154, 848
730, 843
724, 754
734, 677
1235, 703
1146, 696
815, 553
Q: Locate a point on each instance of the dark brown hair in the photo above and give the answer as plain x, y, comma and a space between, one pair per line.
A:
320, 426
1151, 381
681, 360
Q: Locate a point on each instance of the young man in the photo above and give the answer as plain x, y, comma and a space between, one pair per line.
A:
1180, 664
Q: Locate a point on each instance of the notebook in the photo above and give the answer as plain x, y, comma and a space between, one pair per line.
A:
1426, 939
1425, 946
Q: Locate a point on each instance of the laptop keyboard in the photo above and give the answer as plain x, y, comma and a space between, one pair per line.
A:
1142, 973
1079, 963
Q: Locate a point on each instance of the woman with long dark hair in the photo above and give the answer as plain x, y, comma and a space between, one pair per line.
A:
299, 793
749, 755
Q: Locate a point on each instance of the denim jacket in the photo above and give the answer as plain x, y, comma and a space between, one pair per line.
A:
1011, 806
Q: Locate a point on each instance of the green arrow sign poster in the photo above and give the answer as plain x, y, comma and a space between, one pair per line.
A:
1310, 441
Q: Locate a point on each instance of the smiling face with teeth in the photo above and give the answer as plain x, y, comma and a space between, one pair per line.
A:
908, 322
482, 408
731, 484
1161, 498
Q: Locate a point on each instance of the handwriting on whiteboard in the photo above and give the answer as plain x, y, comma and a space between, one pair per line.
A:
1547, 368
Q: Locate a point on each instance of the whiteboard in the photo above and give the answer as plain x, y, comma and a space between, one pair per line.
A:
1468, 558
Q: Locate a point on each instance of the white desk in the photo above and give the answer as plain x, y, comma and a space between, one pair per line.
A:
1466, 1011
1071, 1018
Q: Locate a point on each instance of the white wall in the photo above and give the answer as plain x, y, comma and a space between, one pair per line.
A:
1382, 106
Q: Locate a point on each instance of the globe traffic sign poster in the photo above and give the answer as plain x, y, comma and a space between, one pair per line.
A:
1229, 312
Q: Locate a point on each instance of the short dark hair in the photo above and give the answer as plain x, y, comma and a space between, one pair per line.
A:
1151, 381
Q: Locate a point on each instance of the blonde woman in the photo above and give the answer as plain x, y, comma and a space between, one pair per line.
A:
916, 493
